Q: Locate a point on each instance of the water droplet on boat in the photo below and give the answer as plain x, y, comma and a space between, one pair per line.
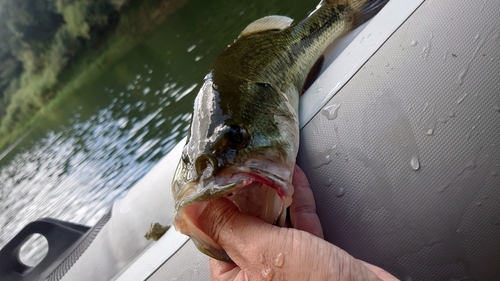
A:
476, 37
445, 55
415, 162
150, 71
146, 90
197, 58
320, 89
329, 182
461, 99
331, 111
461, 76
429, 131
325, 157
426, 51
340, 192
146, 66
479, 204
386, 64
191, 48
494, 174
413, 43
280, 260
425, 106
450, 113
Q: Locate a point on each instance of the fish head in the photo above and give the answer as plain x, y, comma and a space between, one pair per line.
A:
240, 148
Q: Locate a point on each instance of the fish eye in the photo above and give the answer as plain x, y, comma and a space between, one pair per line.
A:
237, 135
264, 85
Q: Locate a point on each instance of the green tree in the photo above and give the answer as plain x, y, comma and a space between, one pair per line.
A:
74, 14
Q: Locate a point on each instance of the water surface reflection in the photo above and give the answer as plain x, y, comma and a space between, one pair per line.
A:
76, 171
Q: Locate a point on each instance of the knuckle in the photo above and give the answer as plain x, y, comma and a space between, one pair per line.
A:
303, 209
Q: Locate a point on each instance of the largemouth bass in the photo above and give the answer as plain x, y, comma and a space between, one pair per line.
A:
244, 134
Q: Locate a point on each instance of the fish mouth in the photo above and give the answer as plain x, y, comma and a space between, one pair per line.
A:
254, 191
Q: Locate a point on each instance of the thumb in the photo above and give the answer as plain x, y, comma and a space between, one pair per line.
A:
255, 245
233, 230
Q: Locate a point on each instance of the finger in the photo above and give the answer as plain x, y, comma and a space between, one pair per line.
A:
237, 233
223, 270
382, 274
303, 214
255, 246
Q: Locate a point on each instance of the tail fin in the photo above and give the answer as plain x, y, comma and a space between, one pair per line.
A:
365, 10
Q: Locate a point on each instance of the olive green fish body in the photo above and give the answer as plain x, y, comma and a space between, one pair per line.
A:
284, 57
244, 134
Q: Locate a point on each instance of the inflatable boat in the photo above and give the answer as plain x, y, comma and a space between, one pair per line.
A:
400, 140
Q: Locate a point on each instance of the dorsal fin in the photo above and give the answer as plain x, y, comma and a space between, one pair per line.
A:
267, 23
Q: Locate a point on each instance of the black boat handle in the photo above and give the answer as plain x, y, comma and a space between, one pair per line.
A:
60, 236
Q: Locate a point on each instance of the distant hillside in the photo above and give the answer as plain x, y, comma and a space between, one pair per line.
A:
41, 38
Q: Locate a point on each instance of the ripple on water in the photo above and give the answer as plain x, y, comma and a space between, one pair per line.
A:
76, 171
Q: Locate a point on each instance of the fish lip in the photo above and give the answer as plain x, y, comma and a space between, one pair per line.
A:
248, 176
257, 175
235, 177
220, 191
271, 171
231, 180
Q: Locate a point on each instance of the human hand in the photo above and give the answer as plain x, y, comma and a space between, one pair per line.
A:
261, 251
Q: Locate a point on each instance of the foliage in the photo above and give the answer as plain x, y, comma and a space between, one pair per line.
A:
38, 39
41, 38
74, 16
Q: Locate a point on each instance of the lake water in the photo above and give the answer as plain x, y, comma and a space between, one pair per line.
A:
85, 154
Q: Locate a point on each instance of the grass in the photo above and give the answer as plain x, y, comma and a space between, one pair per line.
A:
137, 20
